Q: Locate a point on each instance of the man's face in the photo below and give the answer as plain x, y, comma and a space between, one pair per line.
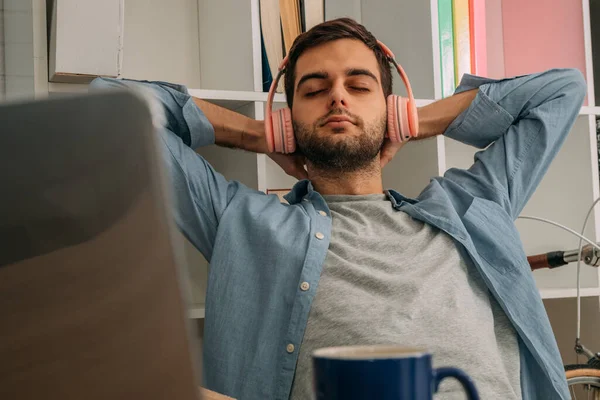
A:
339, 110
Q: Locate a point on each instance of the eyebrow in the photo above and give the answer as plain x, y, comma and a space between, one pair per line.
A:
325, 75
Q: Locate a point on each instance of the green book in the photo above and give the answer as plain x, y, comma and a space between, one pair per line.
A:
447, 64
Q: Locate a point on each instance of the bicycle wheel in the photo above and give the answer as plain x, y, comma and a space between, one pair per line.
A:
583, 381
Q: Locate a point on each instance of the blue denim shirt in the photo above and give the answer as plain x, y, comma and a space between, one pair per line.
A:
260, 250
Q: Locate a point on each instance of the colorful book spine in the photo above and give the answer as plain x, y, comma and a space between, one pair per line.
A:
446, 47
267, 77
478, 37
462, 42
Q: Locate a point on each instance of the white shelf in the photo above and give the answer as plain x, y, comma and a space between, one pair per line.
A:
225, 97
587, 110
196, 311
234, 99
249, 96
568, 293
55, 87
233, 96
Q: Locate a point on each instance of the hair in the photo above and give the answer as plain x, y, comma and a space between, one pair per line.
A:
328, 31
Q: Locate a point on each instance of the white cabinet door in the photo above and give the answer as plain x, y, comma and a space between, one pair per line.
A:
86, 39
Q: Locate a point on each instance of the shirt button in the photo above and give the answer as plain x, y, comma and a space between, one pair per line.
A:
290, 348
319, 235
323, 213
304, 286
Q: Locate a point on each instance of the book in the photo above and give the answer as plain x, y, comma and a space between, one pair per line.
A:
478, 37
267, 77
446, 33
270, 26
462, 41
290, 22
281, 21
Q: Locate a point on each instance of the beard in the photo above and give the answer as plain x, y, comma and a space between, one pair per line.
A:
342, 154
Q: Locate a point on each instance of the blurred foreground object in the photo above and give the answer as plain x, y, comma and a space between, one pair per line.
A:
91, 295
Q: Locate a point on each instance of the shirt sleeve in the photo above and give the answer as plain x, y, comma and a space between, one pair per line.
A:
199, 194
521, 124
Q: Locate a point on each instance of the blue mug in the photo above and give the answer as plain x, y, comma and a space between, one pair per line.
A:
380, 372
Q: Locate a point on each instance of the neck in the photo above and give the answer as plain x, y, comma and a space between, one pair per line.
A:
367, 180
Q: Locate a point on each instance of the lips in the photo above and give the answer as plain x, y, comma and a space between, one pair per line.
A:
338, 120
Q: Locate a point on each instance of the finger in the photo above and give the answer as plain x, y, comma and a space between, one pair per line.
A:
385, 161
388, 152
300, 172
291, 165
303, 174
386, 156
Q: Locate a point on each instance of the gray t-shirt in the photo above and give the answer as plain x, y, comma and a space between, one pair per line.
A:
391, 279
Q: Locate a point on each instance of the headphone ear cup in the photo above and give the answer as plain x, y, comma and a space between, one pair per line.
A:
398, 124
392, 119
283, 133
403, 118
413, 118
269, 128
289, 138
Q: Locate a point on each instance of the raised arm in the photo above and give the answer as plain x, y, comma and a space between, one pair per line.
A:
521, 123
200, 194
238, 131
233, 129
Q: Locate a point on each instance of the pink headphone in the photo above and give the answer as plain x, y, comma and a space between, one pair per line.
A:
402, 121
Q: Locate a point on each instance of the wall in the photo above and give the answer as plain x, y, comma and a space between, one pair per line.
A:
18, 48
23, 42
158, 44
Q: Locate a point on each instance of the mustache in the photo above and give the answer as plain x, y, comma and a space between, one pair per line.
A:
355, 119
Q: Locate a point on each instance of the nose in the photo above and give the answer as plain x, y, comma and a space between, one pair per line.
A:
338, 97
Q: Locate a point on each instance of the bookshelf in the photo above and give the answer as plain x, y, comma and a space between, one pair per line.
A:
213, 47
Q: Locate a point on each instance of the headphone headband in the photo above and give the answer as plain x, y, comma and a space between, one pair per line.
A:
268, 111
403, 75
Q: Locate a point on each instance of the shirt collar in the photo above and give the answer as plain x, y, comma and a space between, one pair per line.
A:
397, 198
301, 189
304, 189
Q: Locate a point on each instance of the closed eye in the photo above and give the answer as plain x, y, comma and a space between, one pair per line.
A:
311, 94
360, 89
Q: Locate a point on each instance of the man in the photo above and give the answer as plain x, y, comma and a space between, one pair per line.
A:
350, 262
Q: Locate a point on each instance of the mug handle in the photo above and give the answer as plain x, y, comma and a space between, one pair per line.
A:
440, 374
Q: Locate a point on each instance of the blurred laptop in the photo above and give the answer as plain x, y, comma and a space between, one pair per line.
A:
92, 291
